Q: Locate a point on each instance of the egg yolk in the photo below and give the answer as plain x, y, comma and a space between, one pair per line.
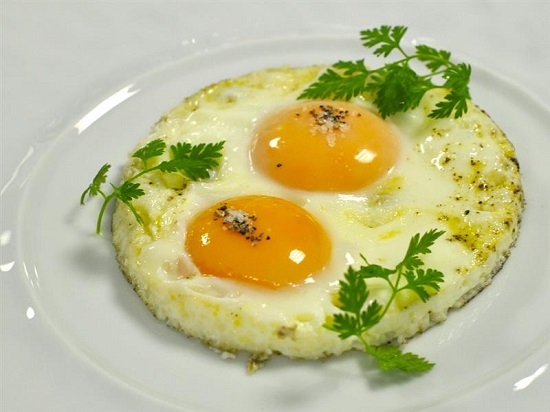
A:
324, 146
262, 240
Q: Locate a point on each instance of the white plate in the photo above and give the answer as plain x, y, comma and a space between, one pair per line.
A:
94, 344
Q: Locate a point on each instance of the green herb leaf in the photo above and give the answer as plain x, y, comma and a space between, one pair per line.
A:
193, 161
421, 280
359, 313
353, 292
152, 149
433, 58
371, 316
399, 90
94, 188
419, 245
375, 271
395, 87
129, 191
344, 83
391, 357
346, 324
457, 79
386, 38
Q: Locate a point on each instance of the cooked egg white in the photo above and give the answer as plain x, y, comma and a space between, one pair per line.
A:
456, 175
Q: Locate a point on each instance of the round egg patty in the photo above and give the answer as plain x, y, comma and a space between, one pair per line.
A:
456, 175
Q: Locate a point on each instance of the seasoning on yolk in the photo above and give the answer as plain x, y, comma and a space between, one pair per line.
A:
324, 146
262, 240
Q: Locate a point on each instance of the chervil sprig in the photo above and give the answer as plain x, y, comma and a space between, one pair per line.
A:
194, 162
359, 313
396, 87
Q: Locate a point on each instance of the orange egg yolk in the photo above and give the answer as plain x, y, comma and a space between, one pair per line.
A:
262, 240
324, 146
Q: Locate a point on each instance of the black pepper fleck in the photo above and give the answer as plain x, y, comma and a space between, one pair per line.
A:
330, 117
238, 221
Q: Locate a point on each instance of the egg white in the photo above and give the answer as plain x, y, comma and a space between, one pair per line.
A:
460, 176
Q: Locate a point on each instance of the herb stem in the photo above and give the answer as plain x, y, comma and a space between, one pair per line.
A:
107, 200
394, 291
407, 56
139, 174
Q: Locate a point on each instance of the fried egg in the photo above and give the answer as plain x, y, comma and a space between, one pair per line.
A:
251, 259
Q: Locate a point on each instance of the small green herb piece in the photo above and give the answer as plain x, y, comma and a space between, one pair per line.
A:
359, 313
396, 87
193, 161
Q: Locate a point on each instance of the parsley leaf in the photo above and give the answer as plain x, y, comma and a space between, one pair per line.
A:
345, 81
419, 246
387, 38
395, 87
391, 357
152, 149
433, 58
94, 188
353, 292
457, 78
352, 297
127, 192
194, 162
418, 281
359, 313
